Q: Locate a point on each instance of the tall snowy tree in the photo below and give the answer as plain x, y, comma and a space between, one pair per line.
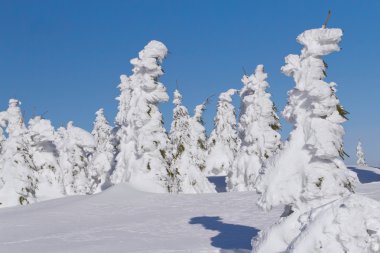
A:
142, 160
258, 126
75, 146
223, 142
360, 155
17, 178
309, 171
184, 174
198, 137
101, 161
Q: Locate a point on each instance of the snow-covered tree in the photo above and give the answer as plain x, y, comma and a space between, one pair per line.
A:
223, 142
184, 173
309, 171
198, 136
75, 146
17, 178
258, 126
360, 155
101, 161
142, 160
44, 157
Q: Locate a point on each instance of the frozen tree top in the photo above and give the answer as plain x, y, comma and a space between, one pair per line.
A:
99, 112
198, 111
226, 96
79, 136
148, 62
154, 49
320, 41
14, 102
177, 98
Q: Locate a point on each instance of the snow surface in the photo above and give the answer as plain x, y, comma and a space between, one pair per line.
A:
122, 219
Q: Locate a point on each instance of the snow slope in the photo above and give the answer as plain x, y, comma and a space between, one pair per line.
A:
122, 219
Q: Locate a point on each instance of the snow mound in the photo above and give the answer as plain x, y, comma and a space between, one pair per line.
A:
351, 224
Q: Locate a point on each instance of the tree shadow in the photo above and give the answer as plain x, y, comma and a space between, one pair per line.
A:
230, 237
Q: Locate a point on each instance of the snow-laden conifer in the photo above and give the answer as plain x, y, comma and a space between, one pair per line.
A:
309, 171
258, 126
75, 145
223, 142
360, 155
18, 182
101, 160
185, 175
142, 160
44, 157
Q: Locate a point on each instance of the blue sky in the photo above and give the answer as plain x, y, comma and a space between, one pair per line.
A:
64, 58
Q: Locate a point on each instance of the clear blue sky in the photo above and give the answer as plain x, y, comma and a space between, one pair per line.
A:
65, 57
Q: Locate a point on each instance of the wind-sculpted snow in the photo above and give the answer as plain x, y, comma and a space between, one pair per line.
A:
350, 224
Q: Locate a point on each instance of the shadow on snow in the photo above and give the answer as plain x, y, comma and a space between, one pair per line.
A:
230, 237
365, 176
219, 182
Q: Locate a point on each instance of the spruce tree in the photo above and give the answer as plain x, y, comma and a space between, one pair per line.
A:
258, 131
185, 175
75, 146
18, 182
309, 171
142, 155
101, 161
198, 149
223, 142
43, 155
360, 155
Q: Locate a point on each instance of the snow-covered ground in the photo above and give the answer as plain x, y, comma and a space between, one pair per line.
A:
122, 219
